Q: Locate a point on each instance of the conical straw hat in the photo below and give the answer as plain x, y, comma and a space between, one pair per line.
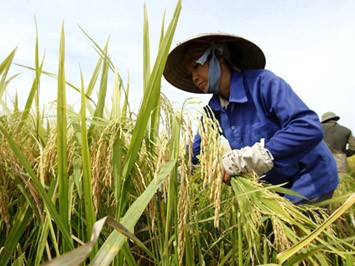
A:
243, 53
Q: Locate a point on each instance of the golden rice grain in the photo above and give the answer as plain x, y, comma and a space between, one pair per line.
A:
210, 160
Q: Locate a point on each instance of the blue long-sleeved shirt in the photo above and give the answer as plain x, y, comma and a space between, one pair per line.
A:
262, 105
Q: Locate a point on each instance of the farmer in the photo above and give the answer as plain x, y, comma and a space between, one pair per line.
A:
270, 129
339, 139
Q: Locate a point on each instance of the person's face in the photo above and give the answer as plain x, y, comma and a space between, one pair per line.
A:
199, 74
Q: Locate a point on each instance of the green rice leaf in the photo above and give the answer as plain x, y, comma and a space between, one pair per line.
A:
85, 154
63, 181
285, 255
150, 102
4, 69
146, 50
77, 256
102, 88
15, 234
31, 97
115, 241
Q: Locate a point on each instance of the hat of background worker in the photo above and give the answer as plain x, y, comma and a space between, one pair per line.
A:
329, 116
243, 54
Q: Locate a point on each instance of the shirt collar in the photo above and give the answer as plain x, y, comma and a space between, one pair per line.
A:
237, 92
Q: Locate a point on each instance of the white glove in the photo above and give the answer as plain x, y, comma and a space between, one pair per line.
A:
255, 159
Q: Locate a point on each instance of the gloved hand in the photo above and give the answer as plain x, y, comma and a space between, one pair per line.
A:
255, 159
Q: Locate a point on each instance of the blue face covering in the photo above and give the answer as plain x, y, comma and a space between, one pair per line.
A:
214, 73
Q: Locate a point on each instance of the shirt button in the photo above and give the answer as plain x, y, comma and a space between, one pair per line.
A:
232, 127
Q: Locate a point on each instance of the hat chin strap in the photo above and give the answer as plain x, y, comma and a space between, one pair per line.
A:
214, 72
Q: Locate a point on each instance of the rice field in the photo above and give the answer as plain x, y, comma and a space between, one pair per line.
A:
107, 186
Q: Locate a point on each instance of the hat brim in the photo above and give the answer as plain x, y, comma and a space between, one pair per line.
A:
244, 55
336, 118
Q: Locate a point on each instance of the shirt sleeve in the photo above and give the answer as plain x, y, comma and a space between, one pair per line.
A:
300, 128
351, 148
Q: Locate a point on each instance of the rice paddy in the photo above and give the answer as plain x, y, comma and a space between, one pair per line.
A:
101, 186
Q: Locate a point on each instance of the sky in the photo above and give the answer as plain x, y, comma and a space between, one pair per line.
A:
309, 43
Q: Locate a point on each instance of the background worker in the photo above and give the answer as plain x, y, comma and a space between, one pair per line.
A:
269, 128
339, 139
